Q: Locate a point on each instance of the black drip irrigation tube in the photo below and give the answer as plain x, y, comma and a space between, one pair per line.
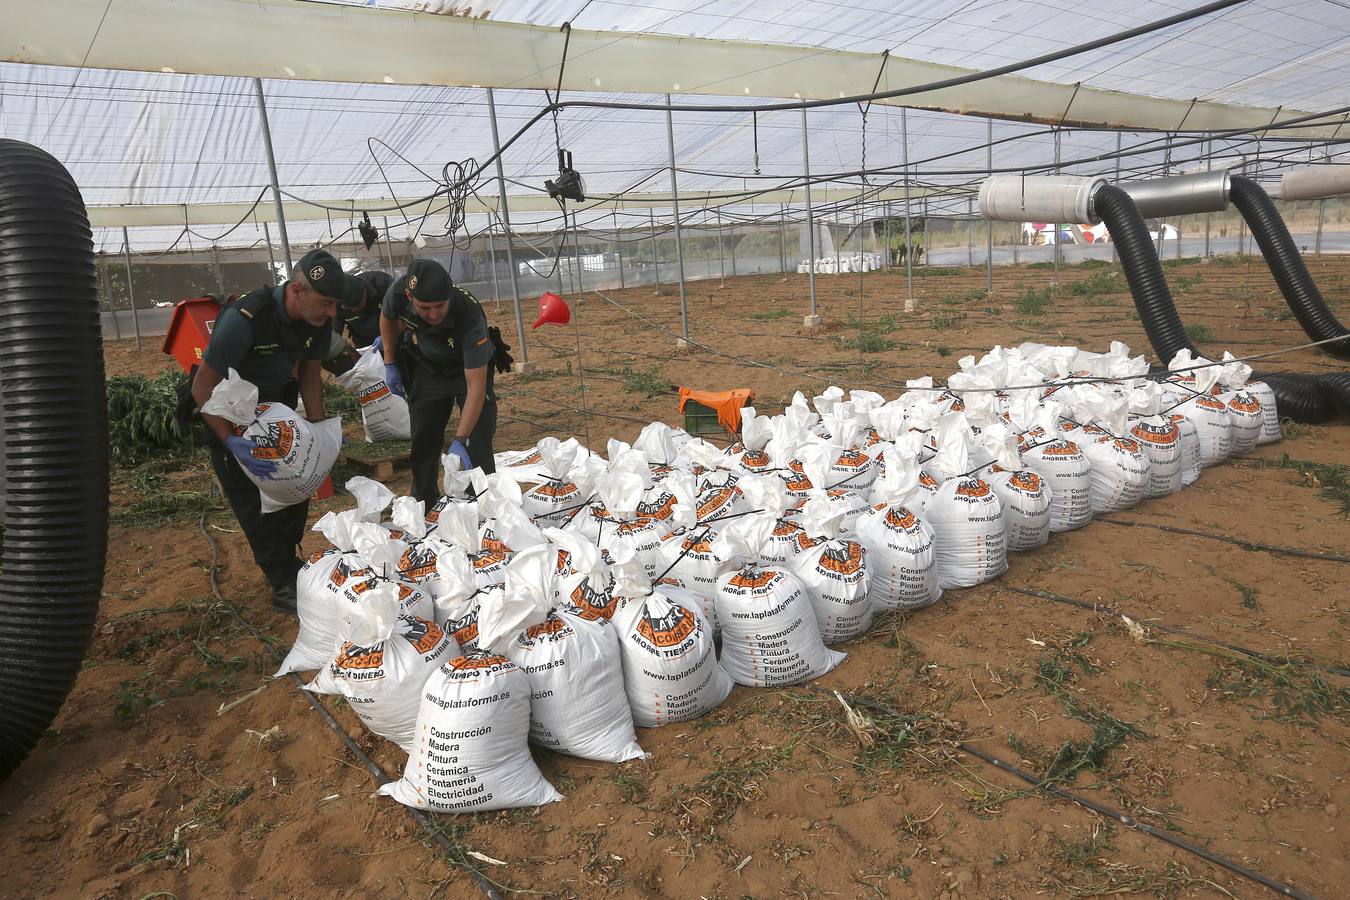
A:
381, 777
1050, 787
1176, 630
53, 444
1311, 399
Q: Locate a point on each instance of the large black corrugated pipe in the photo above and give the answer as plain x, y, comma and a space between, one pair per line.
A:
1299, 397
1143, 271
53, 416
1286, 264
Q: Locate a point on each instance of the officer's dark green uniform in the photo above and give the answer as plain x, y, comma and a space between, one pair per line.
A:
433, 360
360, 313
254, 336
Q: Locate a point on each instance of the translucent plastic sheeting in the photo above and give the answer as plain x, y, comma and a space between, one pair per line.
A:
1264, 53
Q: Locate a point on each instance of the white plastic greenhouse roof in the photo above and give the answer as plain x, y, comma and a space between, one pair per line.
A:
151, 105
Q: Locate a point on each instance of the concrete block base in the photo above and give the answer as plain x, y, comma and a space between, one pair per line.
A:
520, 368
811, 321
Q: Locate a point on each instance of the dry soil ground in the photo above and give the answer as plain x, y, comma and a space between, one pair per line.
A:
151, 784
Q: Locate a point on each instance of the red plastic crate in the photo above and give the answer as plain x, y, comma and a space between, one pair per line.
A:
190, 330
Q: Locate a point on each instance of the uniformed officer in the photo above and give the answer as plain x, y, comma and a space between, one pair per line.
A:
274, 338
435, 341
360, 314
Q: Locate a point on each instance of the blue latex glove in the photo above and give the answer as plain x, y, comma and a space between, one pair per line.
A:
378, 344
460, 452
394, 379
242, 449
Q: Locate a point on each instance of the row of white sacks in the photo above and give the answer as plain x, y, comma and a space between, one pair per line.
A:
570, 598
841, 264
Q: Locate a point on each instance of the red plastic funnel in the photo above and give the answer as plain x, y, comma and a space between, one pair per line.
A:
552, 310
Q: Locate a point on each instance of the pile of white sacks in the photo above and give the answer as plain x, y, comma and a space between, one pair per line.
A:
571, 598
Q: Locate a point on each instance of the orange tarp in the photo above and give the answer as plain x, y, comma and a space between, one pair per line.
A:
727, 403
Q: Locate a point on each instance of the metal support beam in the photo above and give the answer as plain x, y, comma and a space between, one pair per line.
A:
505, 213
1054, 229
271, 257
909, 249
679, 240
131, 290
656, 253
389, 251
1117, 181
272, 172
618, 246
721, 255
812, 318
989, 226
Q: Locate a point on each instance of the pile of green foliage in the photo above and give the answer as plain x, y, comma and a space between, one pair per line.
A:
142, 424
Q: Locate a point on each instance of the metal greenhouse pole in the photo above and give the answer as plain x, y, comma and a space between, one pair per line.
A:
272, 172
523, 363
909, 254
675, 198
812, 319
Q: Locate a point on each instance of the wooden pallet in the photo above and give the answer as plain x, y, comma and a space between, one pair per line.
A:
379, 465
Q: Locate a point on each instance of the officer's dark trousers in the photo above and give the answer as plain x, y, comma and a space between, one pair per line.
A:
272, 536
432, 398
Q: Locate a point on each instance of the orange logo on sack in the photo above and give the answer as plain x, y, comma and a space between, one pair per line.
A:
660, 509
535, 457
928, 480
852, 459
416, 563
1025, 480
1060, 448
551, 625
434, 515
670, 629
1154, 433
1245, 402
845, 560
805, 542
477, 661
318, 555
901, 517
555, 489
277, 443
785, 527
714, 501
465, 630
1125, 444
974, 487
1210, 403
423, 635
755, 459
593, 604
341, 572
379, 392
799, 482
353, 657
491, 543
752, 578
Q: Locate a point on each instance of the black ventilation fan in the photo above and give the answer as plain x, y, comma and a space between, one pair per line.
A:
369, 233
569, 185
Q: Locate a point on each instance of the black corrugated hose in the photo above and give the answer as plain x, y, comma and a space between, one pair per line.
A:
1304, 398
1286, 264
53, 417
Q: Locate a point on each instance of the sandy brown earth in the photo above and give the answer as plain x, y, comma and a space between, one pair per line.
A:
167, 775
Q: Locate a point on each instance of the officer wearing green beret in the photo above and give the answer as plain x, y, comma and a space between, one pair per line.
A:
435, 340
274, 338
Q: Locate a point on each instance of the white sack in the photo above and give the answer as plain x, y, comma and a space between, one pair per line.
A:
471, 752
304, 451
384, 414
